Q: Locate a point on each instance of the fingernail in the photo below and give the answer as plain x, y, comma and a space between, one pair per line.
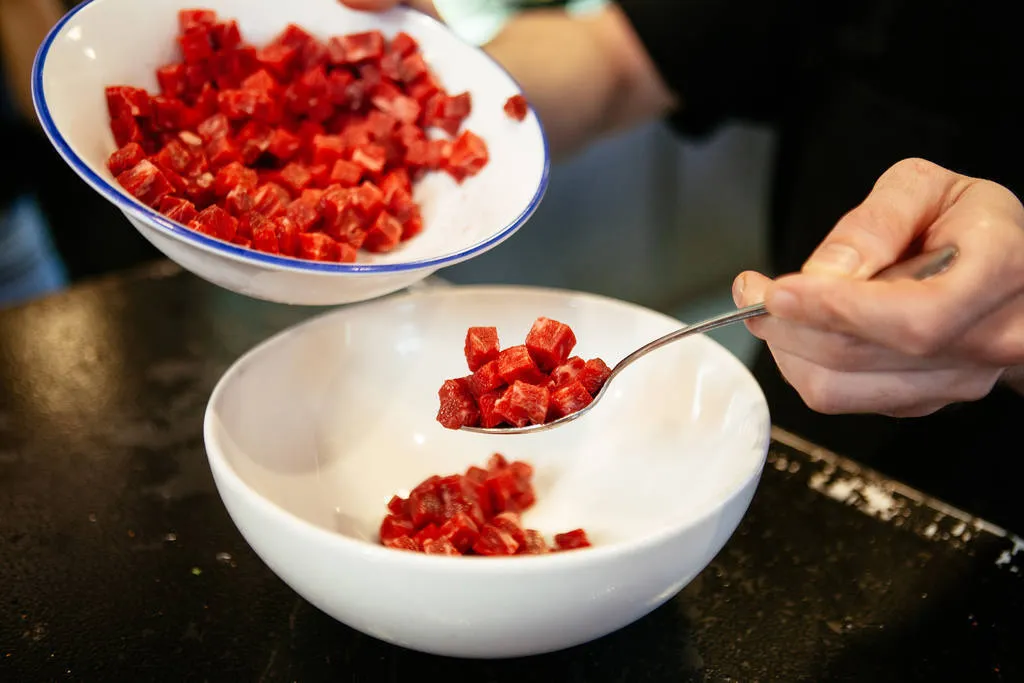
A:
738, 285
833, 259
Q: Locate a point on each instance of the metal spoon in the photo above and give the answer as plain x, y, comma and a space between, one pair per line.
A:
919, 267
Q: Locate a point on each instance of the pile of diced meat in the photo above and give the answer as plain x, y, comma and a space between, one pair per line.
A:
531, 383
476, 513
301, 147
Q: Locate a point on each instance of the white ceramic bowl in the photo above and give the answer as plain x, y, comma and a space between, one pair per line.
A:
108, 42
310, 433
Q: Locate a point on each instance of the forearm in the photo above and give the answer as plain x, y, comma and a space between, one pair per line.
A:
587, 76
23, 25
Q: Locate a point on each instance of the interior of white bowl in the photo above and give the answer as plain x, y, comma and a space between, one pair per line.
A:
330, 419
111, 42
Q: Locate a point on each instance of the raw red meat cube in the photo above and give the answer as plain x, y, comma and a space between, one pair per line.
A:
356, 47
440, 546
177, 209
176, 157
516, 364
124, 101
458, 408
569, 399
566, 373
412, 227
510, 523
327, 149
261, 81
403, 44
535, 543
595, 373
523, 404
371, 157
222, 151
215, 127
468, 155
390, 100
125, 158
293, 35
384, 234
254, 140
284, 144
485, 379
304, 214
234, 175
270, 199
216, 222
422, 87
287, 236
168, 113
191, 19
475, 474
425, 507
264, 238
488, 416
516, 107
571, 540
428, 533
368, 199
395, 527
346, 173
145, 182
549, 343
247, 222
225, 35
195, 46
277, 59
495, 541
294, 177
126, 130
319, 174
398, 506
238, 105
316, 246
496, 462
481, 346
200, 189
508, 492
403, 543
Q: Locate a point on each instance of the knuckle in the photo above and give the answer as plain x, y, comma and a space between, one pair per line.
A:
818, 391
913, 169
923, 335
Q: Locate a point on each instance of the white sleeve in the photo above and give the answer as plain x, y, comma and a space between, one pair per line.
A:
479, 21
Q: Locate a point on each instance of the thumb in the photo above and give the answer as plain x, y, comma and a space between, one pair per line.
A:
904, 202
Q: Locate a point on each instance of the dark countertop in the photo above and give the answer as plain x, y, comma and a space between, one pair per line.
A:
118, 561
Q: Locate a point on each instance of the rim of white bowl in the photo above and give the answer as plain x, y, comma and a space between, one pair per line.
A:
319, 534
122, 200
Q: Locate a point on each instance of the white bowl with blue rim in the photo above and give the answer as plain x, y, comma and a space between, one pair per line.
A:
122, 42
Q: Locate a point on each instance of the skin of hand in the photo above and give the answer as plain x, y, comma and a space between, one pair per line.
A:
587, 76
23, 25
902, 348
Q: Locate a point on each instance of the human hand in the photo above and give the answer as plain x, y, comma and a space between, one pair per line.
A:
902, 348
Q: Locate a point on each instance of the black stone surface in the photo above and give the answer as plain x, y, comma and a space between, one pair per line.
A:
118, 561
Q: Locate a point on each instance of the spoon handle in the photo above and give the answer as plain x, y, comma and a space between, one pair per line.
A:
919, 267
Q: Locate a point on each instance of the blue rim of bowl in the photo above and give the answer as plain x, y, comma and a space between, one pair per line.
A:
125, 202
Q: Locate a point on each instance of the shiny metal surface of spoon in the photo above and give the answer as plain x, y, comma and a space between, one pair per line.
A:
919, 267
